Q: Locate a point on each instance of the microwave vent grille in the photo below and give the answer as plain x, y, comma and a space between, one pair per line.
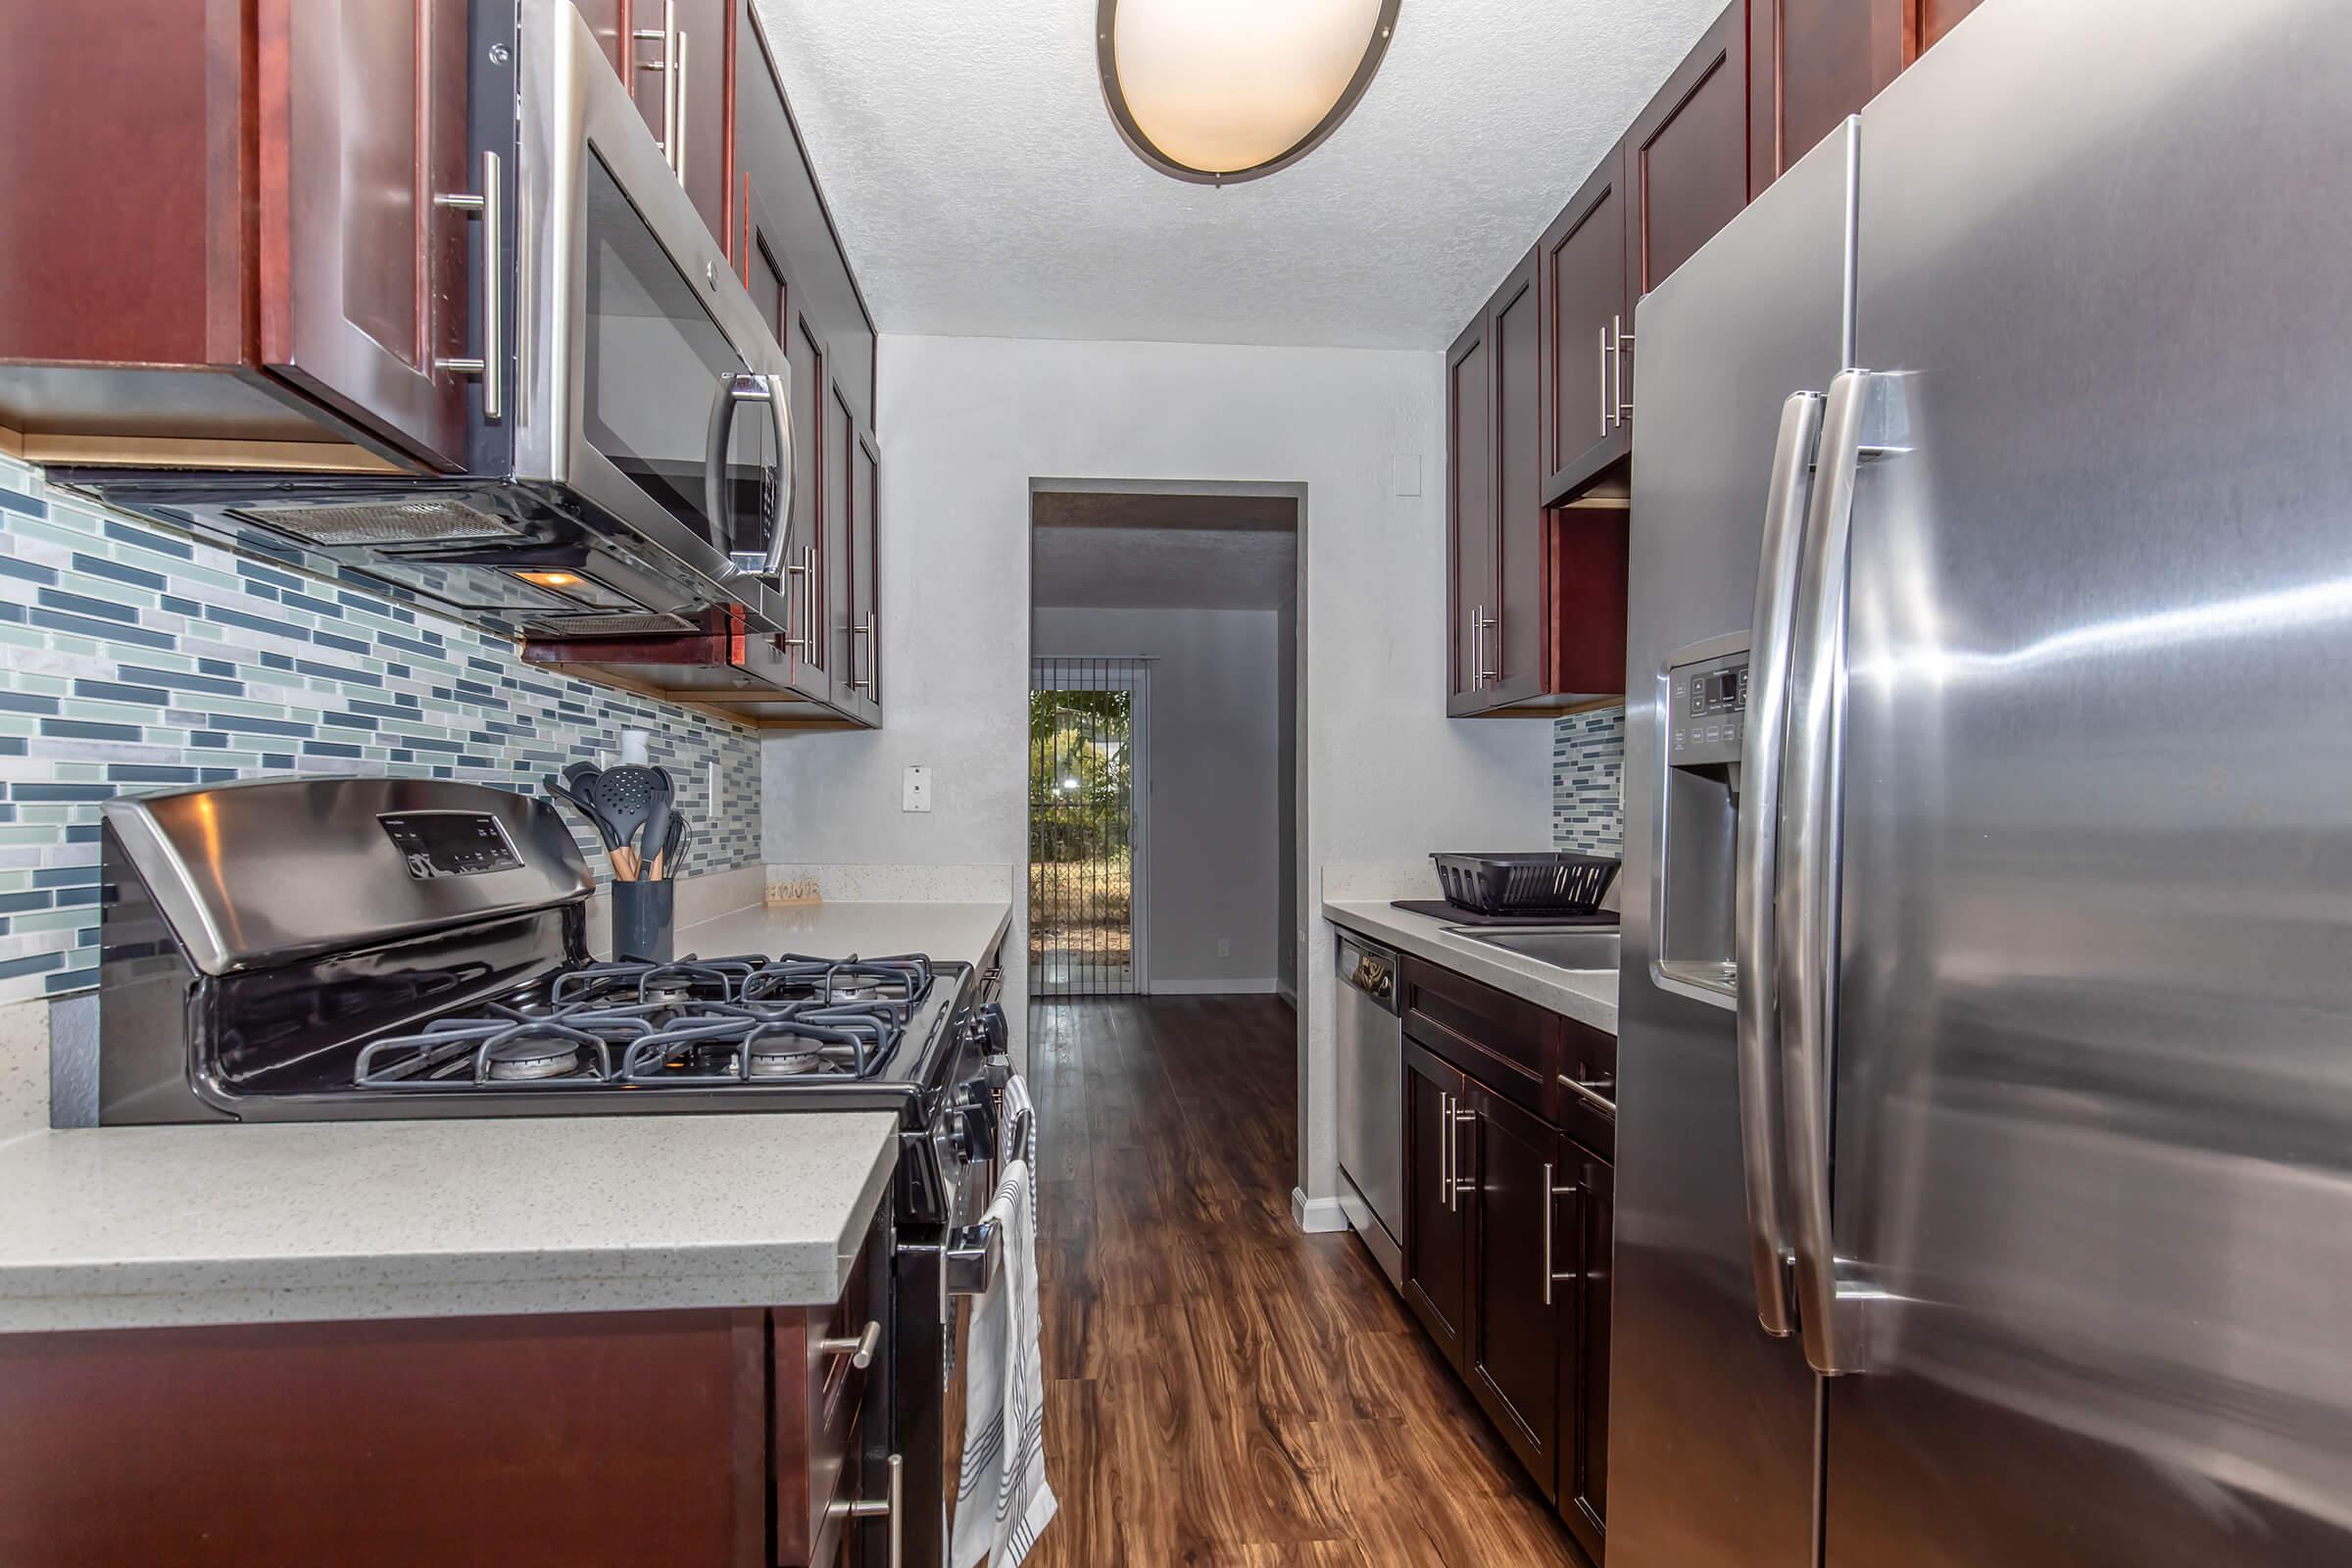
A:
417, 522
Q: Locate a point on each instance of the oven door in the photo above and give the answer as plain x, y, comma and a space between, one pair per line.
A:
650, 387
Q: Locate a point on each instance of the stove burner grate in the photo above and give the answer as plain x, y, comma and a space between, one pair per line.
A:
694, 1021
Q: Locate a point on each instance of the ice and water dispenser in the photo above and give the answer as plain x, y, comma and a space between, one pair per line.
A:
1706, 720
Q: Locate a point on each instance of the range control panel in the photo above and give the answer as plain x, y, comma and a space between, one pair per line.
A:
450, 843
1707, 710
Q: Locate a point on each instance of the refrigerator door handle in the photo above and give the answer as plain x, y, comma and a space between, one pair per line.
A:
1806, 876
1754, 865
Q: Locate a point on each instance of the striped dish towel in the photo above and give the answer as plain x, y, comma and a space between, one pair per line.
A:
1001, 1500
1017, 1103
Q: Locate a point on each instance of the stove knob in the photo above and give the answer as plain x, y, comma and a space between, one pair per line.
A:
973, 1128
987, 1030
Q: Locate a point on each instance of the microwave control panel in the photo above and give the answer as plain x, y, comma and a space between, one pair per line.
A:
1706, 710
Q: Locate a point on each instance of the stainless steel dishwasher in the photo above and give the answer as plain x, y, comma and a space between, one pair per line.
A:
1371, 1058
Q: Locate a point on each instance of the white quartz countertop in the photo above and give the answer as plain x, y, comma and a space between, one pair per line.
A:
962, 932
1583, 995
132, 1227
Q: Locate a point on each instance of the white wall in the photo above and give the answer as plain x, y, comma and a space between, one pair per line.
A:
965, 423
1214, 760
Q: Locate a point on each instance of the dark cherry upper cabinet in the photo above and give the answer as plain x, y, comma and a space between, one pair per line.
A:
1437, 1227
1536, 596
1514, 645
1470, 517
1514, 1344
837, 554
1811, 63
363, 275
866, 569
681, 48
1580, 278
249, 270
1685, 163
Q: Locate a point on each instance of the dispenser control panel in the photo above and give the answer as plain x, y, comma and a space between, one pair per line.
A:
1706, 710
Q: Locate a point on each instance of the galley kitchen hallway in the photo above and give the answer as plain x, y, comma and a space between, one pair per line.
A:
1221, 1388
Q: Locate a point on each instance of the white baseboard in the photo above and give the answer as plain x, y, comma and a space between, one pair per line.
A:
1287, 994
1316, 1215
1215, 988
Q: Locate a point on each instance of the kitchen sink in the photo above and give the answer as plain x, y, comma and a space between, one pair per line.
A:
1572, 949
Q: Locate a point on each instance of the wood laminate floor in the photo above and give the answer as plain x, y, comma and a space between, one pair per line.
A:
1221, 1388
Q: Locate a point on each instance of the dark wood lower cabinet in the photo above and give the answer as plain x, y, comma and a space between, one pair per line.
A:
1515, 1336
1437, 1239
1509, 1224
715, 1438
1587, 1229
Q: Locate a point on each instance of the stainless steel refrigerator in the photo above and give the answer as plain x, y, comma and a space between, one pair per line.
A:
1985, 1137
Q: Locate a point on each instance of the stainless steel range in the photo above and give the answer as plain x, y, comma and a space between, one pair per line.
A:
310, 949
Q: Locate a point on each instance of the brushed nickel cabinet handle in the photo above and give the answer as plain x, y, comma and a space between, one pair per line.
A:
864, 628
666, 35
859, 1350
680, 80
484, 365
1552, 1193
1625, 395
887, 1508
1606, 403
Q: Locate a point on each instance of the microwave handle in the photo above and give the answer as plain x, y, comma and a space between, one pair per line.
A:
735, 388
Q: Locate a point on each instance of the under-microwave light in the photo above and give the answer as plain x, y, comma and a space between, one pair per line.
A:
552, 579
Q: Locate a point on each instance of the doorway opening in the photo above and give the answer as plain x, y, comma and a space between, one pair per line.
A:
1087, 794
1172, 610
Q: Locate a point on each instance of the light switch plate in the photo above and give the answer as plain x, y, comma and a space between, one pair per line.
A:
917, 794
1404, 474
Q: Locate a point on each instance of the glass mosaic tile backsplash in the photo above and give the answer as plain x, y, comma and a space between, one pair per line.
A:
1588, 775
133, 658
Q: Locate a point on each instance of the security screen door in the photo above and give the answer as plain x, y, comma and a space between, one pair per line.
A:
1087, 791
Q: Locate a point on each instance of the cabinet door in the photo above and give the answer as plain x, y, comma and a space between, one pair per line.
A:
1585, 1221
836, 556
1928, 20
1580, 278
1436, 1251
363, 278
1515, 1329
677, 68
1810, 64
805, 357
609, 21
1469, 512
865, 566
1686, 165
1514, 648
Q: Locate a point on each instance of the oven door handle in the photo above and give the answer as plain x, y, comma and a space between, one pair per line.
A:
735, 388
971, 1256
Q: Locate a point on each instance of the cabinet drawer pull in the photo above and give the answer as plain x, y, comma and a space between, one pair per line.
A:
859, 1350
888, 1508
1456, 1117
1621, 339
1591, 1096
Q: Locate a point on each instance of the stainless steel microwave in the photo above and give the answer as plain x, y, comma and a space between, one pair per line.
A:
631, 452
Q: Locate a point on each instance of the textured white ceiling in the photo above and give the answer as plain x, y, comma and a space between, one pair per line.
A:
1162, 568
981, 189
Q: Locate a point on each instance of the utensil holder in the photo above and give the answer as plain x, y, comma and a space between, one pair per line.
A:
645, 920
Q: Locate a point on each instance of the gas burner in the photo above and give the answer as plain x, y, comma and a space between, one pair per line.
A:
779, 1058
525, 1057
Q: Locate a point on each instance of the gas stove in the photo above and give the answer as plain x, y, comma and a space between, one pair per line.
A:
283, 950
276, 951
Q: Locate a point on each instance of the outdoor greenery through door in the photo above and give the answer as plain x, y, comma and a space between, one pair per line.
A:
1086, 720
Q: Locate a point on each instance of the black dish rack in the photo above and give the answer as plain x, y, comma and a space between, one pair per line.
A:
1555, 883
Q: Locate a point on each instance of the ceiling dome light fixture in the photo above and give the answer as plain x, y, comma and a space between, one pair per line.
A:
1216, 91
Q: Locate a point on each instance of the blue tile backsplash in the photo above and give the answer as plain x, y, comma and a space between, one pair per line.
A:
1588, 777
138, 657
